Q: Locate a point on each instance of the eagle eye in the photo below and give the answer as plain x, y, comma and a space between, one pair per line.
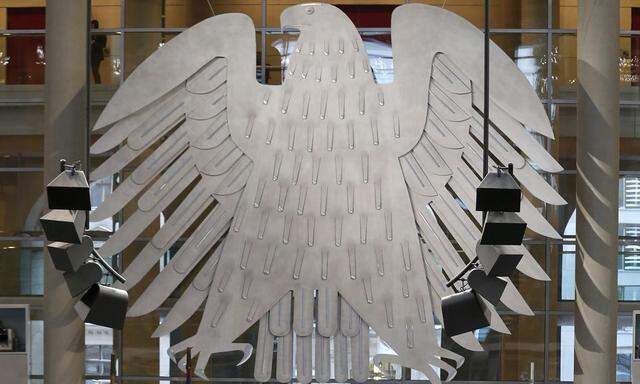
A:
309, 10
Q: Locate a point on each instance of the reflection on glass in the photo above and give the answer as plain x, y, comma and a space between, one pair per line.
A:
23, 202
565, 69
99, 191
22, 59
379, 367
515, 357
565, 14
22, 268
564, 121
380, 355
566, 333
36, 357
185, 13
139, 46
564, 66
21, 140
629, 65
105, 58
528, 51
107, 13
98, 349
628, 250
503, 13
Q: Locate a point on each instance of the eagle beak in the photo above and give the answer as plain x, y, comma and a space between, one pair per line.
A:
291, 20
288, 28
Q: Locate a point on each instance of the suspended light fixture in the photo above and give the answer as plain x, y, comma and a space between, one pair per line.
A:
73, 253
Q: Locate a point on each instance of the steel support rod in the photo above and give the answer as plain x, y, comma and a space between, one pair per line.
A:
485, 152
64, 138
597, 165
108, 267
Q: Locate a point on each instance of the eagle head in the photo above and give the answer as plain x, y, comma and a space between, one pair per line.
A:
317, 17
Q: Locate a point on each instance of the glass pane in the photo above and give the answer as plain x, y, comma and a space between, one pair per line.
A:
629, 134
146, 14
251, 8
139, 46
140, 351
105, 59
13, 329
364, 14
563, 147
564, 218
532, 290
22, 268
99, 346
564, 61
503, 13
37, 346
565, 14
515, 357
106, 12
564, 121
21, 202
560, 216
22, 59
21, 140
567, 271
274, 9
185, 13
629, 15
562, 340
528, 51
629, 65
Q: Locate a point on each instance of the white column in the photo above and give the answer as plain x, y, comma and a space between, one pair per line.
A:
597, 163
64, 137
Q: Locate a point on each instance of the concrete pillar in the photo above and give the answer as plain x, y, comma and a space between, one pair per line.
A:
64, 137
597, 163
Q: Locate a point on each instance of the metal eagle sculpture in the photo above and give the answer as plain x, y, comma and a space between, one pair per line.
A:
336, 204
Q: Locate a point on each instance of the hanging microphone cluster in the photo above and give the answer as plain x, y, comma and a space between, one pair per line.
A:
497, 254
73, 253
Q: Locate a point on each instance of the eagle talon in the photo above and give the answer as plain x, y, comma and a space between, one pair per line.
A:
200, 374
247, 350
380, 358
171, 355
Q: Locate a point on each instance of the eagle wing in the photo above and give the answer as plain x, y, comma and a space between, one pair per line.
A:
443, 73
178, 120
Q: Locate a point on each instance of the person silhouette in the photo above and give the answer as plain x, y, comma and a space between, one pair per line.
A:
98, 46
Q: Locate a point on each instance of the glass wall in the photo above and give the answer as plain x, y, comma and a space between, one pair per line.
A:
539, 35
